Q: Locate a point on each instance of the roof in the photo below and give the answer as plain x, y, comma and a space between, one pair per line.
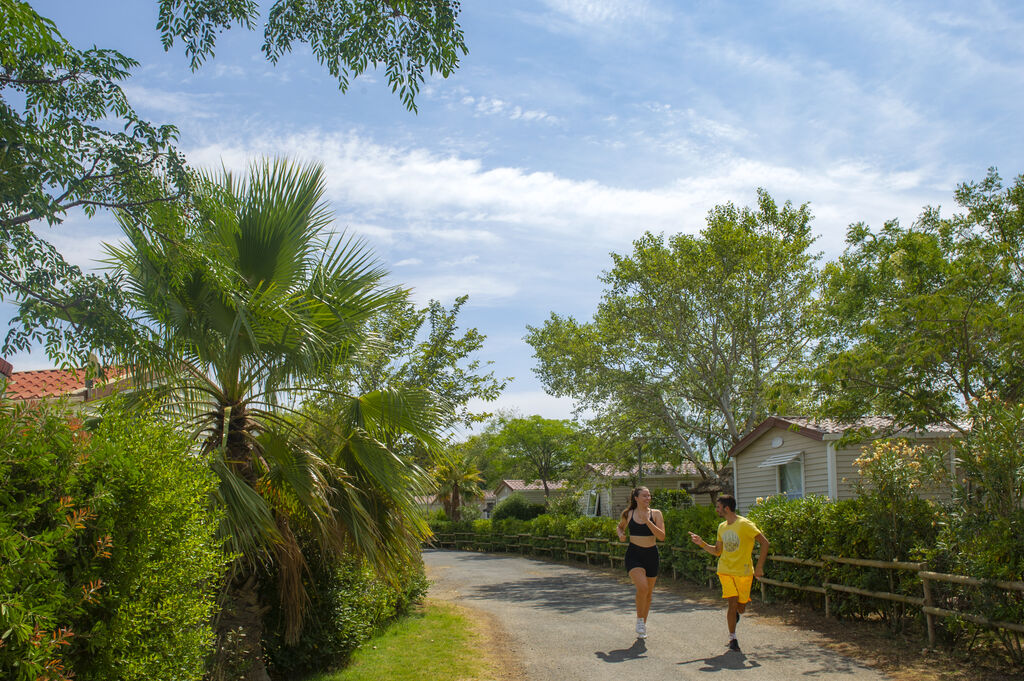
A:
829, 429
519, 485
5, 368
49, 383
608, 470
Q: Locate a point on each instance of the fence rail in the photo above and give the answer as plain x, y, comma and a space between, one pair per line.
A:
604, 551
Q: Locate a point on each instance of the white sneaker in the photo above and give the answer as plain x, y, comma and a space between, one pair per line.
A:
641, 627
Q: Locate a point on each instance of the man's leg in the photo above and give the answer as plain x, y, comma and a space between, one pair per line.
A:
730, 614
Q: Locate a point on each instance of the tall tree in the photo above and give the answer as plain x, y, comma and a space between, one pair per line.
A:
536, 448
704, 334
920, 321
457, 480
423, 348
69, 139
236, 337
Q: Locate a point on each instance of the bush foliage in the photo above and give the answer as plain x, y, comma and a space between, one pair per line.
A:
516, 506
348, 604
110, 563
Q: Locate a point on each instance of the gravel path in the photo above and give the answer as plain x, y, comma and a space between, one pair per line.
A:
565, 623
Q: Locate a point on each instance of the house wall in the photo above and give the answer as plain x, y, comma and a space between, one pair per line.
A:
754, 481
848, 474
615, 498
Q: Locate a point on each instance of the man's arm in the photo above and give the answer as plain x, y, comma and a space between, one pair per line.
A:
763, 541
715, 550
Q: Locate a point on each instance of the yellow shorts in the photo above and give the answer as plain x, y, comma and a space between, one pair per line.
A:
733, 585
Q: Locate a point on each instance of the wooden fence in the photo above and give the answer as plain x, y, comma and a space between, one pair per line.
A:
598, 551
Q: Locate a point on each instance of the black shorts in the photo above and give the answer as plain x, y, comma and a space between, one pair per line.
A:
641, 557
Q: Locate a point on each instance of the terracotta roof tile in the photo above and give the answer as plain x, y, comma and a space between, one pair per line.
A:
5, 368
608, 470
518, 485
47, 383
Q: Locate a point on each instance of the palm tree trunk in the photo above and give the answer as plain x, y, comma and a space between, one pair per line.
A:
239, 652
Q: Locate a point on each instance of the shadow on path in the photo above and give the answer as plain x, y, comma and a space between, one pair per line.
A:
634, 652
727, 660
573, 593
819, 660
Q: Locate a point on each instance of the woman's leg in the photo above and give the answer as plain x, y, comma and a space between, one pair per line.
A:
650, 593
643, 597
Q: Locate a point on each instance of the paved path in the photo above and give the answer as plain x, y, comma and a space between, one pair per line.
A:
570, 623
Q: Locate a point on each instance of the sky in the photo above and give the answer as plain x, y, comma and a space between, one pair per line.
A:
574, 126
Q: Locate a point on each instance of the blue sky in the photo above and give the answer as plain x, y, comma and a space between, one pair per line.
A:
575, 125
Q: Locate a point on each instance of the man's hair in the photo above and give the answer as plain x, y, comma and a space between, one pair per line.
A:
727, 500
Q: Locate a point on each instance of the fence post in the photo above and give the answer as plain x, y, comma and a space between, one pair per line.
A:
929, 618
824, 585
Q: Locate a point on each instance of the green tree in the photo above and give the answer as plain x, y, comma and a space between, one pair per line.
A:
406, 37
456, 480
237, 337
703, 334
422, 348
918, 322
536, 448
69, 138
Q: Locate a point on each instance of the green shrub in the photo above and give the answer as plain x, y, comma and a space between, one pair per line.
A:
548, 524
691, 562
110, 563
566, 504
516, 506
665, 499
348, 603
598, 527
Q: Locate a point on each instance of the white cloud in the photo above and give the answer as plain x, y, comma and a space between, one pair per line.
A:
407, 262
491, 106
181, 103
436, 197
484, 290
607, 14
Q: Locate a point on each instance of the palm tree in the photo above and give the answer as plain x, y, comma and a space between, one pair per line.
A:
457, 480
244, 315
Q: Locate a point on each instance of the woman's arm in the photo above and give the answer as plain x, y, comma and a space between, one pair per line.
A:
620, 529
656, 523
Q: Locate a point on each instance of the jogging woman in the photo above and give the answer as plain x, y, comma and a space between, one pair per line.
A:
646, 527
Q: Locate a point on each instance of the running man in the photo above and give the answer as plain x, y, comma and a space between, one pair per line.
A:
736, 537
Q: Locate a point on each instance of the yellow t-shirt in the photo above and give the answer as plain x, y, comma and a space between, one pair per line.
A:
737, 545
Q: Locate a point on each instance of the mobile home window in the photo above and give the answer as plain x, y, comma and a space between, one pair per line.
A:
791, 479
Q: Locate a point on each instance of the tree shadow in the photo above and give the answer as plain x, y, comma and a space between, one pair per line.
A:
634, 652
819, 660
730, 659
572, 593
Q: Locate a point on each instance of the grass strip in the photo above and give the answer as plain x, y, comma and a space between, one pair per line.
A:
440, 641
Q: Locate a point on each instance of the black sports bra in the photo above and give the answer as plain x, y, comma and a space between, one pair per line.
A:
638, 529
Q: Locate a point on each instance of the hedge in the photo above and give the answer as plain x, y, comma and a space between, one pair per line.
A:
110, 562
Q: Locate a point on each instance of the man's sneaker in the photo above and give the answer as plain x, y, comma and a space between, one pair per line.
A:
734, 645
641, 627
